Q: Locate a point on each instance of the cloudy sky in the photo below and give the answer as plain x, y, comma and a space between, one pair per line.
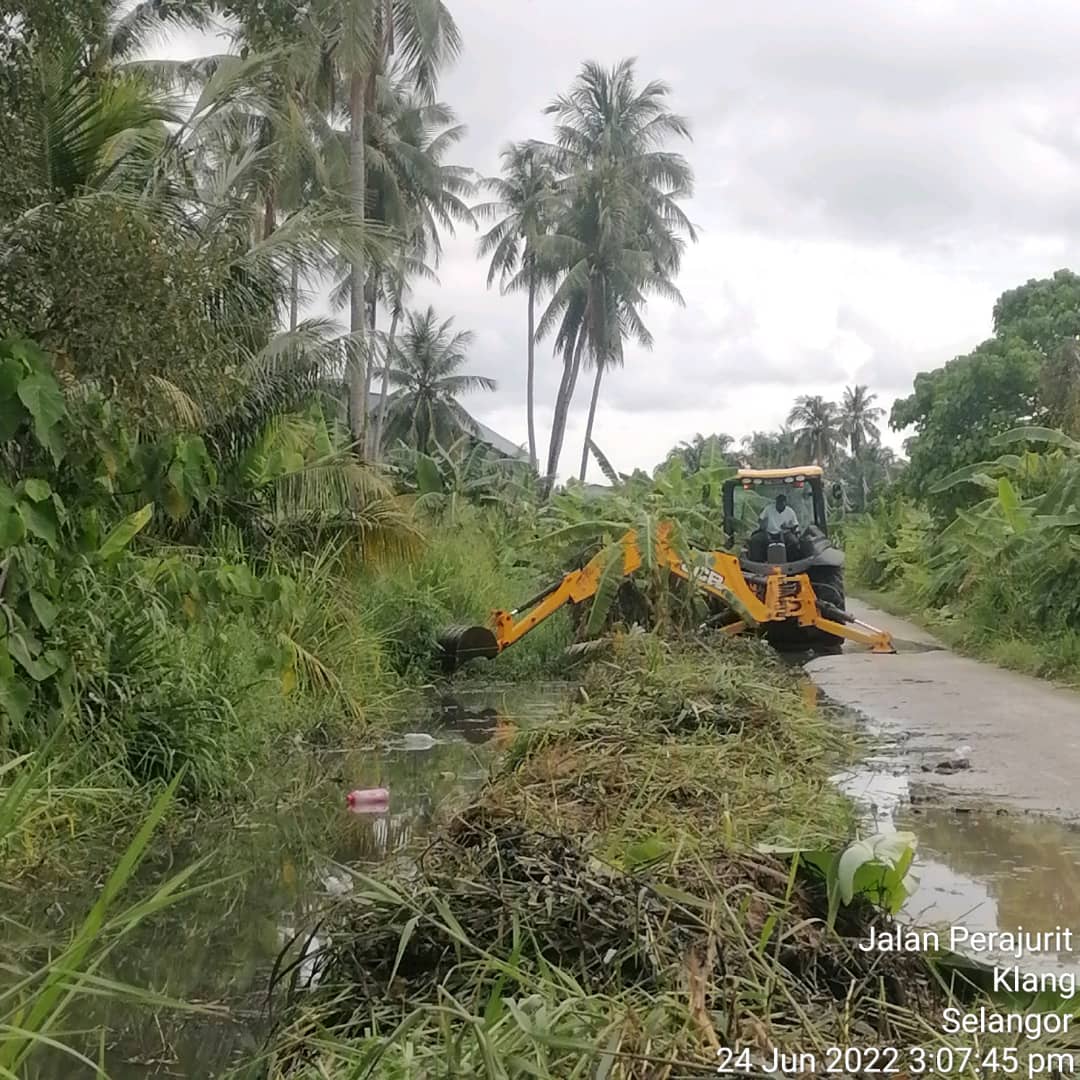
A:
871, 175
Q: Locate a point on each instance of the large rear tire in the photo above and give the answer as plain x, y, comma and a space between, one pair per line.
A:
828, 583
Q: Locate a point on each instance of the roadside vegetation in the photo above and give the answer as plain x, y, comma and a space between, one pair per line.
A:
232, 528
980, 539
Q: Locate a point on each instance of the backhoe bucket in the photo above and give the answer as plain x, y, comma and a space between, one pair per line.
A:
461, 643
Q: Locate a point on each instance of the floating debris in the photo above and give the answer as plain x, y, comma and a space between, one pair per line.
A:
368, 800
417, 740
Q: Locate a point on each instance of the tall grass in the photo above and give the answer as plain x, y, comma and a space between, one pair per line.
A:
39, 991
600, 909
464, 573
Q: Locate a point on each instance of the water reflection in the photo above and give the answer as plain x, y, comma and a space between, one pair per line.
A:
219, 947
994, 871
979, 867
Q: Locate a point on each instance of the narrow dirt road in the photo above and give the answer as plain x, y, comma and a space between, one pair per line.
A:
1023, 734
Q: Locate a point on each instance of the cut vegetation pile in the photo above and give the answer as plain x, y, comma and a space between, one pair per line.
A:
600, 909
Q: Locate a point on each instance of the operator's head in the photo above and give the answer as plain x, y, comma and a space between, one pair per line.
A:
781, 502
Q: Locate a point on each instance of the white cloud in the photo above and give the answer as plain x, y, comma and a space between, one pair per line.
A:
870, 177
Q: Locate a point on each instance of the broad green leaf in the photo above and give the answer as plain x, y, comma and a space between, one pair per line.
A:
428, 478
121, 535
1010, 504
177, 504
44, 609
878, 863
15, 698
41, 395
12, 416
53, 441
24, 652
853, 857
1037, 434
645, 851
25, 351
37, 489
606, 588
11, 374
40, 520
976, 473
12, 528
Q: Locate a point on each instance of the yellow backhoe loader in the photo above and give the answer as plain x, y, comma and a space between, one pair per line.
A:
786, 580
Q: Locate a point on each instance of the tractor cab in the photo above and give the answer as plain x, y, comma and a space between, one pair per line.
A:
777, 517
775, 521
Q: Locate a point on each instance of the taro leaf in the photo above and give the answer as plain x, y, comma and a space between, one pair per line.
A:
12, 528
40, 519
177, 504
121, 535
193, 473
877, 864
45, 403
37, 489
44, 609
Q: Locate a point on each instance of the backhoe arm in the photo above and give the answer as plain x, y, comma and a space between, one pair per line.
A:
576, 586
759, 600
716, 574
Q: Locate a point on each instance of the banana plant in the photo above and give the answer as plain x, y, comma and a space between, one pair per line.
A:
1026, 530
584, 523
448, 478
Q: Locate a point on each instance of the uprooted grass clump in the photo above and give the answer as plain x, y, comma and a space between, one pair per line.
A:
600, 905
690, 744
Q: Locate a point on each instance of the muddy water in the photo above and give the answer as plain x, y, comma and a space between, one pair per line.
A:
980, 866
218, 949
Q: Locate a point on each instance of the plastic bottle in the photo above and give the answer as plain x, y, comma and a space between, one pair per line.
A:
368, 800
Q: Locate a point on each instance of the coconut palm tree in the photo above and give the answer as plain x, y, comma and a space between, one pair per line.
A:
768, 449
702, 451
357, 39
522, 207
618, 235
428, 380
413, 194
816, 423
859, 416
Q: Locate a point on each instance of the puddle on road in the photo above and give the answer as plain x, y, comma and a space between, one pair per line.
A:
978, 867
219, 948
